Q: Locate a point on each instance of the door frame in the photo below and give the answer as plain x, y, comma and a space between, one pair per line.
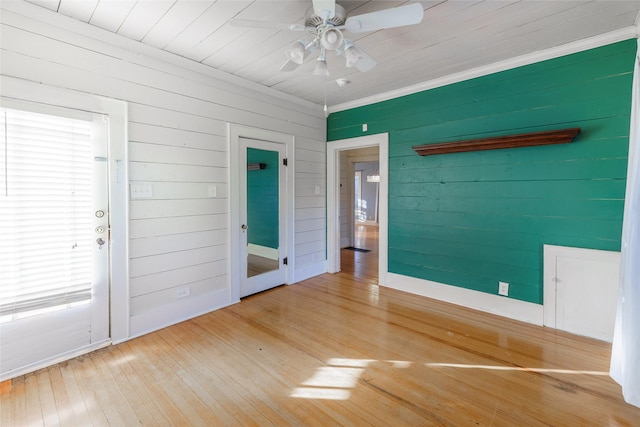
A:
116, 110
334, 148
235, 132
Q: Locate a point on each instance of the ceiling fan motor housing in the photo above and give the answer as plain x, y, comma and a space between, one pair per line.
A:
315, 21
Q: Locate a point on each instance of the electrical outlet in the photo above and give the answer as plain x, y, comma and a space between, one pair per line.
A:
182, 292
365, 127
503, 289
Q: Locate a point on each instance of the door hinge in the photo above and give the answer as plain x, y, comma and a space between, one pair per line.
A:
285, 261
284, 162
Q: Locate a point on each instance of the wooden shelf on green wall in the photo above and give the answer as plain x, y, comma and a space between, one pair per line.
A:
561, 136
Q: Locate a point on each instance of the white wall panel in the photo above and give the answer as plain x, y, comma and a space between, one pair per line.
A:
310, 224
178, 115
175, 173
176, 155
160, 281
312, 236
168, 226
310, 248
310, 213
146, 246
176, 123
310, 202
188, 190
141, 209
167, 297
175, 260
161, 134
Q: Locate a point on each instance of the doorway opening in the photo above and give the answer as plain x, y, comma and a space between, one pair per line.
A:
356, 222
359, 202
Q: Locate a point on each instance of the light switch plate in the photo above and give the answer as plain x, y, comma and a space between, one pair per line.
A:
141, 190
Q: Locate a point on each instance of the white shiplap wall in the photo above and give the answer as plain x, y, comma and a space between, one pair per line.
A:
178, 113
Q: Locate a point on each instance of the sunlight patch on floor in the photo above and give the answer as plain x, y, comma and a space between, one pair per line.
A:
333, 382
122, 359
336, 380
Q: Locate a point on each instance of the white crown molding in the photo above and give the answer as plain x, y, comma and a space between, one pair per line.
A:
133, 47
531, 58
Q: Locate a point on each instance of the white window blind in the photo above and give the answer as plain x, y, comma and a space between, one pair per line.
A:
45, 212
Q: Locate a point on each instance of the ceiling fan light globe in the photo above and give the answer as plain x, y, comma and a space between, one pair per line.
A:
332, 39
297, 53
321, 68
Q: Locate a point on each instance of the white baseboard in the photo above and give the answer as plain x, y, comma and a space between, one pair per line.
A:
310, 271
263, 251
494, 304
182, 310
53, 360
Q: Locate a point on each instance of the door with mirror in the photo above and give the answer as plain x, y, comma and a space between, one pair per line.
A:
262, 216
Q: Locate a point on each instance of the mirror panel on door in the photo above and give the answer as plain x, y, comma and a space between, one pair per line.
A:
262, 211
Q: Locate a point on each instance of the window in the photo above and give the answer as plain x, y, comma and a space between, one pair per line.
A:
45, 212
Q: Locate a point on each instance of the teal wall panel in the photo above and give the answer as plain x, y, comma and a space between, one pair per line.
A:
262, 199
473, 219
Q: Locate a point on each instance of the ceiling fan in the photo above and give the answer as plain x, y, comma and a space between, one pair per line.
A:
324, 24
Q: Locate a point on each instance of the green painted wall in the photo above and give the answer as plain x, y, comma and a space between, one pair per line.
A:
473, 219
262, 199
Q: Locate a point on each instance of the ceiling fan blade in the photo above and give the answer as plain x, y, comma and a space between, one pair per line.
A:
289, 66
324, 8
388, 18
248, 23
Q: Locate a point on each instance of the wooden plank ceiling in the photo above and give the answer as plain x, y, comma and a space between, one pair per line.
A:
455, 36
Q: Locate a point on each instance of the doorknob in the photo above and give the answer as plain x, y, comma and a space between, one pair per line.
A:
244, 226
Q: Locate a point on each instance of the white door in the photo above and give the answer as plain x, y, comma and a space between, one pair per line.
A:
263, 243
54, 235
587, 296
581, 290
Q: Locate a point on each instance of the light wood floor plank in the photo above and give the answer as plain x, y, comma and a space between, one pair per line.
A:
114, 402
32, 399
147, 409
77, 410
332, 350
159, 381
6, 407
238, 373
17, 401
205, 383
86, 376
61, 397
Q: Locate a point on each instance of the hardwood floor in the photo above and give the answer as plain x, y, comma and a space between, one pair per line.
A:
257, 265
332, 350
